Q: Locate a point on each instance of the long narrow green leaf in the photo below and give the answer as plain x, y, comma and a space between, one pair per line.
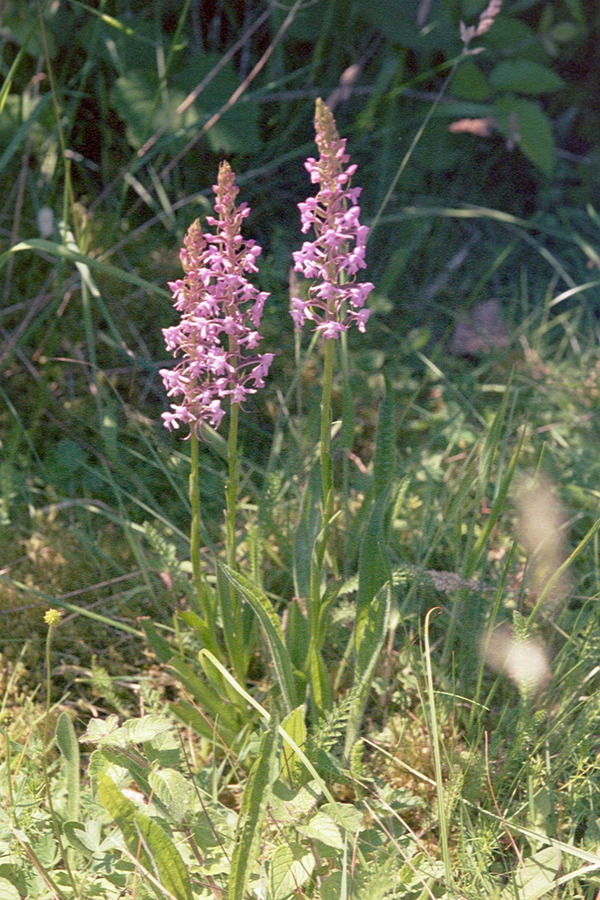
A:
373, 565
271, 626
295, 726
369, 650
69, 748
385, 444
434, 737
146, 841
305, 536
252, 814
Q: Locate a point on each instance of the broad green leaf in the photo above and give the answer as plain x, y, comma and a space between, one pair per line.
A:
576, 10
511, 36
350, 818
255, 800
536, 877
146, 840
135, 731
146, 106
174, 790
11, 138
524, 122
564, 32
290, 867
322, 827
8, 891
85, 838
331, 887
138, 731
121, 766
289, 805
99, 730
69, 748
398, 23
524, 76
271, 626
469, 82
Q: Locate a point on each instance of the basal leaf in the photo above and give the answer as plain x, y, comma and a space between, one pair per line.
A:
69, 748
536, 876
271, 626
252, 815
146, 840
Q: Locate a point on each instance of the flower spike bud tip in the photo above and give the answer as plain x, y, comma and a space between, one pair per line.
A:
333, 259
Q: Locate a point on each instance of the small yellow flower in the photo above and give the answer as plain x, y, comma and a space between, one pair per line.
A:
52, 617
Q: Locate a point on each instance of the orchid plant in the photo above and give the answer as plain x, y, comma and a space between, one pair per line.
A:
216, 341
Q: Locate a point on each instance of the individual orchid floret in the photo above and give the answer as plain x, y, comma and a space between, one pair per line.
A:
332, 261
217, 334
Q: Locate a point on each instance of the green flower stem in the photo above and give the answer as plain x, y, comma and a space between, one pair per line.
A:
316, 670
347, 434
205, 605
231, 608
325, 437
231, 491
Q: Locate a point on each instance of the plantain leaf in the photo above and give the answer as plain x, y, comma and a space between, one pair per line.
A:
146, 841
536, 876
68, 745
252, 814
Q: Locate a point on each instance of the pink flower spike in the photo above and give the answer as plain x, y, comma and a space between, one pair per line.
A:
220, 317
337, 253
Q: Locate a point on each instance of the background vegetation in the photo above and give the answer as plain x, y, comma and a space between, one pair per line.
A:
132, 767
